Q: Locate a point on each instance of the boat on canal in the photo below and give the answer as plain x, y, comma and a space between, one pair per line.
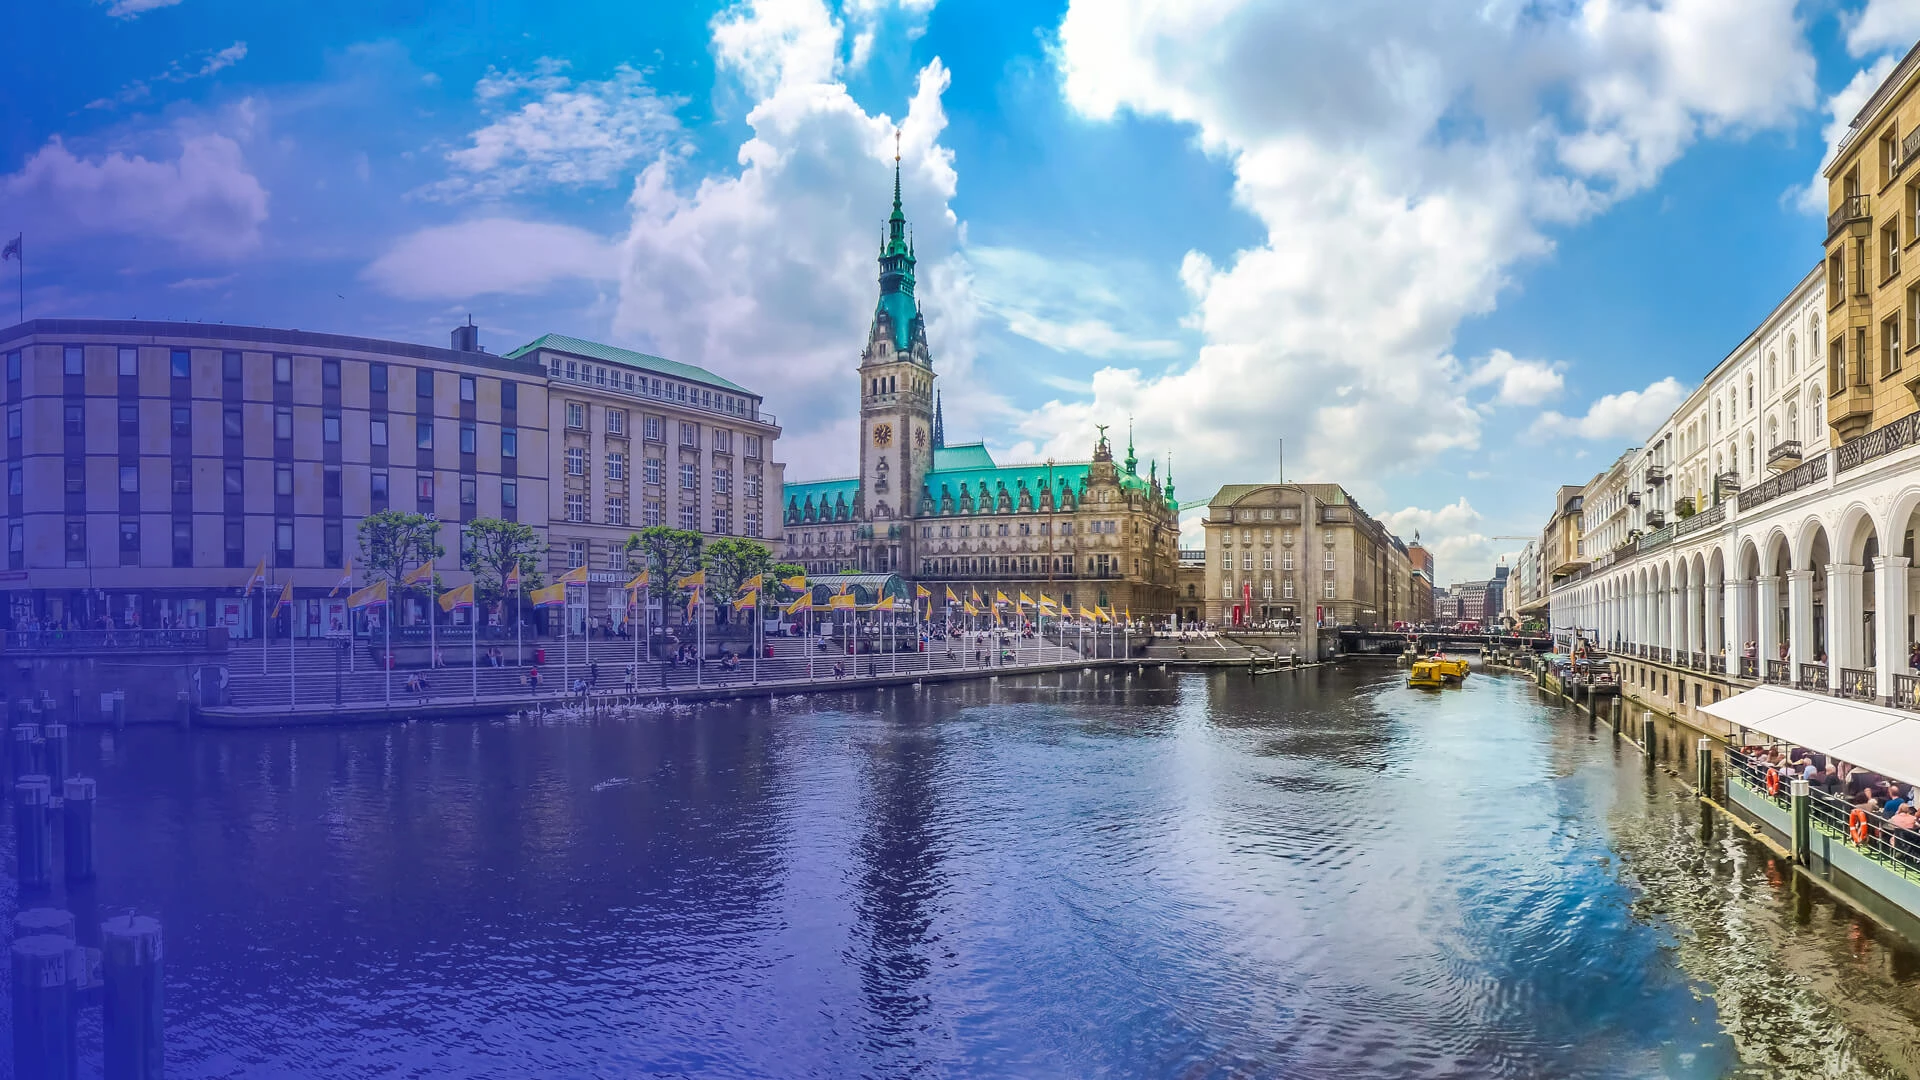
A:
1437, 671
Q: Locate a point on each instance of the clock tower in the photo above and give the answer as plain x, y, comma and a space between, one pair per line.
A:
896, 405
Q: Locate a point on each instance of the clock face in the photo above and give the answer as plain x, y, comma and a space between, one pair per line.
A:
920, 438
883, 434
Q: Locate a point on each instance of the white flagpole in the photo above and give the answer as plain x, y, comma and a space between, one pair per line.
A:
566, 639
473, 649
700, 638
265, 630
516, 625
293, 693
386, 662
758, 629
433, 625
634, 610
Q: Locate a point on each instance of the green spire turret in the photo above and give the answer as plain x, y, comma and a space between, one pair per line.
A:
896, 271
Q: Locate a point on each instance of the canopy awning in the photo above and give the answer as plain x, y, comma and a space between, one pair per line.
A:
1885, 741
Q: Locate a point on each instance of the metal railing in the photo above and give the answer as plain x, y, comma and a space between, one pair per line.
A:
1812, 677
1851, 208
1750, 667
1656, 474
1706, 519
1806, 474
201, 639
1657, 538
1663, 654
1879, 442
1717, 664
1786, 448
1779, 672
1855, 683
1906, 692
1697, 661
1896, 850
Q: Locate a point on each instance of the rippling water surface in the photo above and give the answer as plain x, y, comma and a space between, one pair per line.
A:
1168, 875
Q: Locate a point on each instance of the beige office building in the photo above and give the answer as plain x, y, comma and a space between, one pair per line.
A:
638, 441
151, 465
1302, 555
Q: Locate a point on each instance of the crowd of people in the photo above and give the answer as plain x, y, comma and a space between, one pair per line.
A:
1890, 806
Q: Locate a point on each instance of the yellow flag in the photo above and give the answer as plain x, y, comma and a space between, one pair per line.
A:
1087, 615
554, 595
1047, 601
575, 576
1129, 612
374, 595
346, 580
1000, 597
423, 572
693, 601
922, 592
841, 589
799, 605
286, 598
840, 600
885, 603
755, 582
951, 599
513, 577
639, 581
459, 597
751, 599
1026, 601
698, 577
973, 594
969, 608
258, 580
797, 581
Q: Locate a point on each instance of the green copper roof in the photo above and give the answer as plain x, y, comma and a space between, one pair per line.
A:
610, 354
824, 493
1064, 474
971, 455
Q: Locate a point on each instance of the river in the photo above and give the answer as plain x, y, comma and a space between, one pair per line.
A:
1154, 875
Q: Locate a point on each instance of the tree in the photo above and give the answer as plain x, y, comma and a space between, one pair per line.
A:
668, 554
730, 562
780, 572
394, 542
494, 547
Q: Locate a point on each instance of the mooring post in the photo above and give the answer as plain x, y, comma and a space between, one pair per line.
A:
55, 737
77, 835
1647, 738
24, 736
1802, 802
130, 1003
33, 832
43, 1027
1703, 764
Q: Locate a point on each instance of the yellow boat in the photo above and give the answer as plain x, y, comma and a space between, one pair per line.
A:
1437, 671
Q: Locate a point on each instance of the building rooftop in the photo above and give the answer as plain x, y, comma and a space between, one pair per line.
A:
305, 341
613, 354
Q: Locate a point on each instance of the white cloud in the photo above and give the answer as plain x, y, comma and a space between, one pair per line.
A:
1629, 414
128, 9
1400, 157
768, 275
1882, 24
1452, 533
1068, 305
204, 199
490, 255
198, 66
556, 132
1520, 382
1841, 109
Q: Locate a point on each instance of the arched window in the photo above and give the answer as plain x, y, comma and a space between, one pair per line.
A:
1773, 432
1793, 422
1773, 373
1793, 355
1753, 461
1749, 393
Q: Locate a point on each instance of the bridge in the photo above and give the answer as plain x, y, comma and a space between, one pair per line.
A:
1357, 640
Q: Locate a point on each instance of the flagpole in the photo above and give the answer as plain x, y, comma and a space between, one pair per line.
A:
634, 607
700, 637
264, 634
758, 630
386, 662
473, 647
566, 639
433, 623
293, 691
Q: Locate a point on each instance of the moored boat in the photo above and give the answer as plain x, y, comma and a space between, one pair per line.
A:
1437, 671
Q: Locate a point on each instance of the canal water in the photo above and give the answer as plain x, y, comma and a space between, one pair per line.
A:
1157, 875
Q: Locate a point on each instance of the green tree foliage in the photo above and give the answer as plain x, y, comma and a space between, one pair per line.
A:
493, 548
393, 542
782, 571
668, 554
730, 562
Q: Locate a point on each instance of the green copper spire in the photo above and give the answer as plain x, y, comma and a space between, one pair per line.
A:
1132, 462
896, 271
1172, 503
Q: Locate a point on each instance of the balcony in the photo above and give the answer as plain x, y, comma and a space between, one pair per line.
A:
1784, 455
1852, 208
1656, 518
1683, 507
1810, 472
1879, 442
1727, 483
1656, 474
1850, 411
1633, 498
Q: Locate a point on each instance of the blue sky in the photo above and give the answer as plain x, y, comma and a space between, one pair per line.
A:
1450, 251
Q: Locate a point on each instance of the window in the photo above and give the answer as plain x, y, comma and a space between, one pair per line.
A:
1889, 345
423, 433
13, 366
689, 434
576, 507
75, 419
509, 395
183, 478
330, 374
282, 368
13, 422
283, 541
130, 360
616, 421
509, 442
76, 543
283, 422
723, 483
753, 446
1328, 589
1246, 560
689, 477
753, 490
1890, 249
722, 441
423, 383
1286, 560
1266, 560
232, 422
180, 363
330, 428
654, 429
616, 466
1836, 367
722, 519
15, 479
330, 482
377, 378
377, 431
182, 421
423, 487
616, 510
1889, 156
466, 388
509, 494
182, 543
377, 485
129, 479
73, 360
653, 470
576, 554
469, 491
1327, 563
469, 439
331, 535
690, 518
650, 512
576, 461
129, 541
283, 479
576, 415
753, 523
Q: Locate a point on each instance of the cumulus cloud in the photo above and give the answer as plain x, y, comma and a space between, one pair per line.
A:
1461, 551
768, 275
198, 66
1841, 108
490, 255
1400, 158
129, 9
548, 130
1882, 24
1067, 305
1517, 382
204, 199
1629, 414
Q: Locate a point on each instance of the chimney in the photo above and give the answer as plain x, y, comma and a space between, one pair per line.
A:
467, 338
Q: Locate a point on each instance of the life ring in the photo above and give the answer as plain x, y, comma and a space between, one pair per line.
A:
1773, 781
1857, 825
